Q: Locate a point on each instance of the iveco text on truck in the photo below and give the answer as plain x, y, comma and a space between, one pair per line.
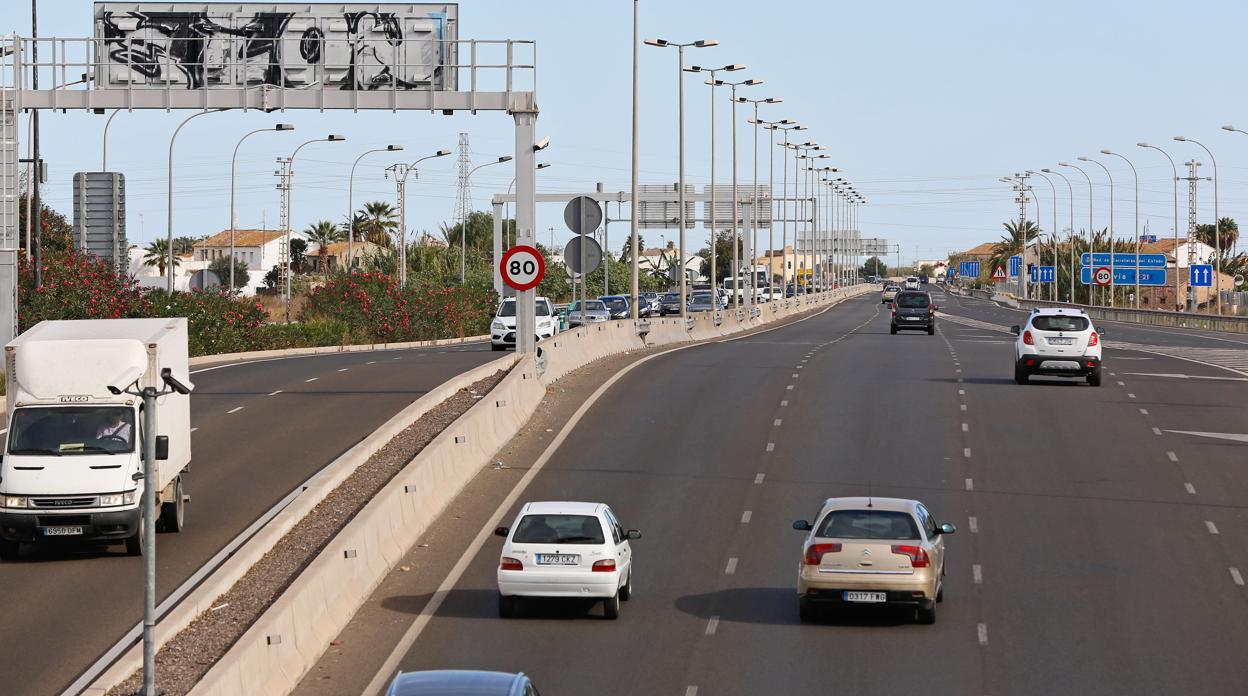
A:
73, 464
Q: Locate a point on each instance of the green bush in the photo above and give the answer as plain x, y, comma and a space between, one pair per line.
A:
307, 334
376, 310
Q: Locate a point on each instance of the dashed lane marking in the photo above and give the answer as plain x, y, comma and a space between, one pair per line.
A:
311, 380
966, 452
966, 427
1213, 528
6, 430
771, 446
1130, 395
1122, 383
789, 387
1156, 431
1173, 457
1191, 490
236, 409
961, 392
973, 523
784, 403
982, 630
759, 478
691, 691
1239, 579
747, 516
712, 625
1143, 412
344, 369
777, 422
977, 574
963, 407
731, 567
795, 375
275, 393
970, 484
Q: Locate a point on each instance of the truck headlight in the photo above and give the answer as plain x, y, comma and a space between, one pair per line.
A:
115, 499
15, 501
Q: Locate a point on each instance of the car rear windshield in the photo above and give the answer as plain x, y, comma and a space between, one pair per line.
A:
590, 306
559, 529
869, 524
671, 297
1060, 322
617, 304
508, 308
913, 300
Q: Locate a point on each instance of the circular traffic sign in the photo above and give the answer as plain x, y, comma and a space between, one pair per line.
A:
522, 267
1103, 276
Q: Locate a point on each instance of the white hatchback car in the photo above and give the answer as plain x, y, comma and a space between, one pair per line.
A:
1057, 341
565, 549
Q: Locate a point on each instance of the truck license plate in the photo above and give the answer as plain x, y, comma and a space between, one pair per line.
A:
62, 531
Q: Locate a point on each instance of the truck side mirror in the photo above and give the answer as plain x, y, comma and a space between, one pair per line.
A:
162, 447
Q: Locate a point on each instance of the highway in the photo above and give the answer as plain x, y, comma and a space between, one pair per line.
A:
1100, 546
261, 429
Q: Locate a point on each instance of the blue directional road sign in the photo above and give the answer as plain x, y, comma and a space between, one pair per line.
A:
1044, 274
1126, 276
969, 268
1201, 275
1148, 239
1122, 260
1016, 264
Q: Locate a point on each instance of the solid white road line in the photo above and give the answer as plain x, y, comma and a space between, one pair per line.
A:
1213, 528
977, 574
731, 567
1190, 488
1182, 376
759, 478
1236, 437
1239, 579
973, 523
746, 516
236, 409
1173, 457
712, 625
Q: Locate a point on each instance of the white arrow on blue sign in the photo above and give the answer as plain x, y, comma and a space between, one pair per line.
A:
1122, 260
1016, 264
969, 268
1126, 276
1201, 275
1043, 274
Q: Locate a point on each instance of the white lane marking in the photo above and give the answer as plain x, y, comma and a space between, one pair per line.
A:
1122, 383
784, 403
777, 422
970, 484
959, 380
977, 574
747, 516
236, 409
1182, 376
731, 567
1143, 412
275, 393
1239, 579
1156, 431
1130, 395
1190, 488
771, 446
1213, 528
789, 387
795, 375
1221, 436
966, 427
958, 370
313, 379
982, 630
192, 430
370, 362
3, 431
712, 625
691, 691
961, 392
759, 478
963, 407
397, 358
966, 452
1173, 457
344, 369
1113, 374
973, 523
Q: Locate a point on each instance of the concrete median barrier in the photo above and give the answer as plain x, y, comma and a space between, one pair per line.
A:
321, 350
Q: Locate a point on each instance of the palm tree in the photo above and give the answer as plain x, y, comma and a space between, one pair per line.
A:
158, 255
375, 222
1011, 243
1228, 233
324, 233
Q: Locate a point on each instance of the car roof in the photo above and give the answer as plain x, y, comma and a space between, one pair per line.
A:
612, 297
561, 507
1054, 311
456, 682
859, 503
539, 299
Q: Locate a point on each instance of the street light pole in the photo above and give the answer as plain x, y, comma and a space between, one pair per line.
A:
104, 141
463, 224
233, 165
1112, 252
754, 208
1136, 175
1052, 232
351, 201
290, 204
1091, 250
168, 196
633, 166
1217, 224
1175, 180
1071, 236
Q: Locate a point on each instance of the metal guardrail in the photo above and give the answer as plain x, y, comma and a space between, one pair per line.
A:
1152, 317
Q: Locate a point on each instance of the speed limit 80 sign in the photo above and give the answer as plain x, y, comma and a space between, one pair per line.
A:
522, 267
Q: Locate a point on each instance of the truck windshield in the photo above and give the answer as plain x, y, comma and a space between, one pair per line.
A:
69, 430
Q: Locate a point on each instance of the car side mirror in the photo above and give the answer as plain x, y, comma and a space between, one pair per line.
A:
633, 534
1100, 331
801, 526
946, 528
162, 447
501, 531
1015, 329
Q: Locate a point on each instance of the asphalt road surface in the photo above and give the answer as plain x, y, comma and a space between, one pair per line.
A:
65, 607
1100, 548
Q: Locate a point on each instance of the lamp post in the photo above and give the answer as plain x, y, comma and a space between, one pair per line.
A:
104, 141
807, 195
1112, 252
233, 164
754, 207
713, 82
1071, 191
1217, 232
736, 211
636, 255
1175, 180
1053, 231
507, 206
400, 171
772, 127
351, 201
168, 196
784, 211
680, 117
1136, 175
290, 204
1091, 250
823, 245
463, 224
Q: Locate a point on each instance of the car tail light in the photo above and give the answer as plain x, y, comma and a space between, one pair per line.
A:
1094, 340
918, 556
931, 310
814, 552
1027, 341
510, 564
606, 565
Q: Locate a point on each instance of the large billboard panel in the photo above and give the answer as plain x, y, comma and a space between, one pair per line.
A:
345, 46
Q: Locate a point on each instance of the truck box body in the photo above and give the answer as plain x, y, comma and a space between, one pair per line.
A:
74, 446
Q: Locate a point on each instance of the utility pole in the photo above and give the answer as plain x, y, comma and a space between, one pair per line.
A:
36, 204
1023, 189
283, 184
463, 201
1191, 180
399, 172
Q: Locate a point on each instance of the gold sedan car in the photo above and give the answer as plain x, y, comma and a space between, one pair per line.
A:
889, 294
872, 551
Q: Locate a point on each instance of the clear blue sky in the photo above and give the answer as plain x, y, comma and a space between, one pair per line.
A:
924, 105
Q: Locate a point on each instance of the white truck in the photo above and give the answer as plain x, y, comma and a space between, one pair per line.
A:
72, 468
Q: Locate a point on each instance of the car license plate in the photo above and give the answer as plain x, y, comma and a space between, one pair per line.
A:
914, 318
1061, 341
62, 531
865, 597
558, 559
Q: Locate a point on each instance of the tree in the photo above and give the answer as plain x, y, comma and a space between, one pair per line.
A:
723, 257
874, 267
273, 279
221, 268
626, 253
1228, 234
480, 232
158, 255
926, 270
375, 222
184, 245
324, 233
57, 234
298, 254
1011, 244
